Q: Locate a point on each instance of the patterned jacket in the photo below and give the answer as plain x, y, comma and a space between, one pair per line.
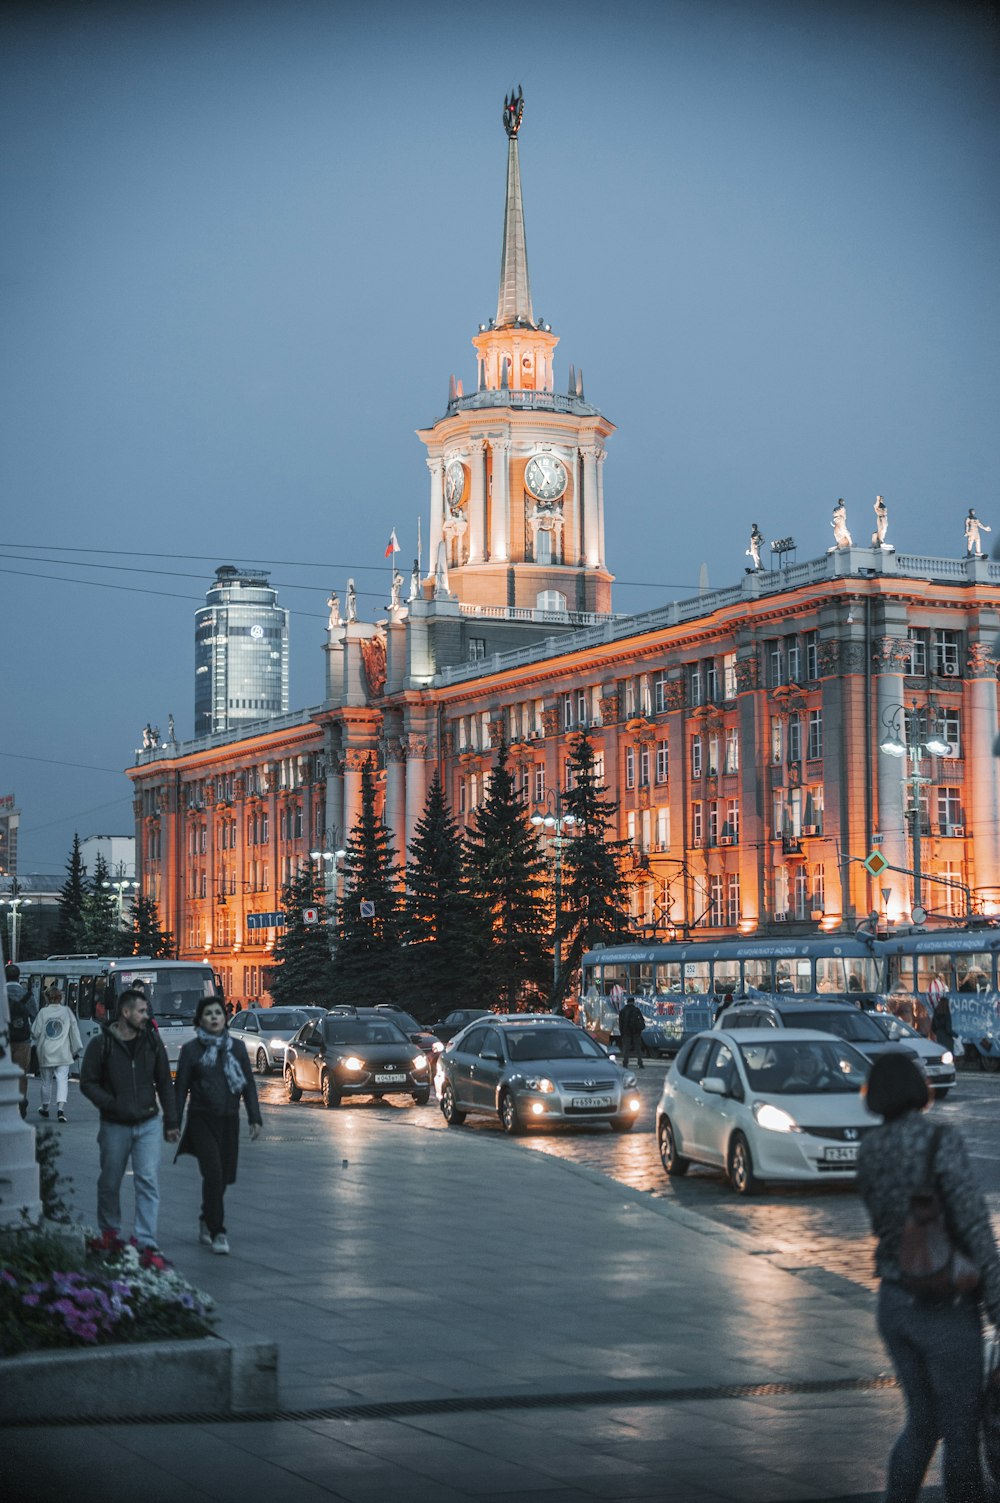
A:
892, 1165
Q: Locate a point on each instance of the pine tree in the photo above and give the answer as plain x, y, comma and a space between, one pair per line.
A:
70, 933
506, 874
439, 917
369, 960
103, 934
147, 937
595, 891
303, 969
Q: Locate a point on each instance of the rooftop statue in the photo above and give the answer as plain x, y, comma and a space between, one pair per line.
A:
973, 527
841, 536
753, 552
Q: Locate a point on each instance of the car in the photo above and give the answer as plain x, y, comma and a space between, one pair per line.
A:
845, 1020
266, 1032
455, 1021
355, 1052
760, 1104
425, 1041
530, 1068
937, 1062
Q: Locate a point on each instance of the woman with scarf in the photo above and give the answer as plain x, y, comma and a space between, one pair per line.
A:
214, 1070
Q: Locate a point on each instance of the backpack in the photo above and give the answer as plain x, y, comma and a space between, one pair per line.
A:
931, 1266
20, 1016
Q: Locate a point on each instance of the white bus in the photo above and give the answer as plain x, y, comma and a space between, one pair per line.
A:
92, 985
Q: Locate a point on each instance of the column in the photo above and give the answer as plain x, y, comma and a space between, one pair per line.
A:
591, 526
601, 456
335, 794
436, 467
983, 810
396, 790
500, 518
354, 760
477, 501
892, 796
416, 781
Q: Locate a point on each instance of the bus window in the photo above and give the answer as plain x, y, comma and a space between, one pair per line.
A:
696, 977
931, 967
643, 981
85, 1002
802, 978
900, 977
100, 1013
726, 977
974, 972
830, 976
668, 976
757, 973
615, 975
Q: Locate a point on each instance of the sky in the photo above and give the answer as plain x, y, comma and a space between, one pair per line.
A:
247, 244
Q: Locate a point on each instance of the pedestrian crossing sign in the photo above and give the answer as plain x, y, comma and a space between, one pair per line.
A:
875, 863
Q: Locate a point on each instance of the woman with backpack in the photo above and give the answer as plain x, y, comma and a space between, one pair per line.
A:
57, 1042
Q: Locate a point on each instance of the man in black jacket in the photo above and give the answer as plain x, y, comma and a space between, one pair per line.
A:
630, 1025
124, 1070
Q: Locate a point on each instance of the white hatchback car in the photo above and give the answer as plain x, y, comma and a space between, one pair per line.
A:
765, 1105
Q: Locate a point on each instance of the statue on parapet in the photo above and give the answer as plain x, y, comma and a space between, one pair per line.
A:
753, 552
395, 594
352, 602
333, 619
973, 528
881, 525
841, 537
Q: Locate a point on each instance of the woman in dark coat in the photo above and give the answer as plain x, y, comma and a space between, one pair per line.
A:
936, 1347
941, 1025
214, 1070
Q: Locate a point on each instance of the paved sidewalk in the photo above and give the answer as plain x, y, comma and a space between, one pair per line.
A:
464, 1321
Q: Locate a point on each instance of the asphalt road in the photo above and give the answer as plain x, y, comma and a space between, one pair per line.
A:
822, 1228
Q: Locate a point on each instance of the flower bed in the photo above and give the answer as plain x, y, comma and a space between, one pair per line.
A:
53, 1294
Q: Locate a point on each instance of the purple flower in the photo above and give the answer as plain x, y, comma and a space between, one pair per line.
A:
29, 1299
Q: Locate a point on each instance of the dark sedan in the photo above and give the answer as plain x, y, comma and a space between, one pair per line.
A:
345, 1055
427, 1042
455, 1021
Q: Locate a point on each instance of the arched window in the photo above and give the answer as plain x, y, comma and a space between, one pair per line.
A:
550, 600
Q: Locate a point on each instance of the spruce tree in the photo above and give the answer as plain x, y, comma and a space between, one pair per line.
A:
594, 907
102, 933
368, 960
507, 879
71, 929
438, 920
303, 971
147, 937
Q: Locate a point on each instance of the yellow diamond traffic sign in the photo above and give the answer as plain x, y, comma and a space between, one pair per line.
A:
875, 863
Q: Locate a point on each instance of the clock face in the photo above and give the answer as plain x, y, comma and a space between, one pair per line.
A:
545, 477
454, 482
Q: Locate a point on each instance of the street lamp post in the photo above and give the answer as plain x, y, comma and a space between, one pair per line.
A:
331, 854
15, 903
120, 885
918, 740
548, 815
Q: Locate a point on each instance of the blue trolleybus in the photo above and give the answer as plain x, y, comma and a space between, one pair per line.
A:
958, 963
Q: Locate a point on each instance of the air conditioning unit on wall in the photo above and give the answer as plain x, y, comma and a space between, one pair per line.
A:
948, 670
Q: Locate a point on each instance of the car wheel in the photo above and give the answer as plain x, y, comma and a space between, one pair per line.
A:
449, 1109
293, 1092
741, 1175
508, 1114
263, 1064
622, 1124
940, 1095
989, 1064
422, 1097
331, 1096
669, 1157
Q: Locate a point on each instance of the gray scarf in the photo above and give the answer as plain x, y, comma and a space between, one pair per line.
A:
211, 1044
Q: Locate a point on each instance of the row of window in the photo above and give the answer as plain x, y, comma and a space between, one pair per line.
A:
787, 741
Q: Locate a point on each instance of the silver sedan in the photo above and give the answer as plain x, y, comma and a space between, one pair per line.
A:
530, 1068
266, 1031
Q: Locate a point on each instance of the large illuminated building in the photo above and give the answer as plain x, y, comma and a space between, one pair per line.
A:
240, 653
741, 731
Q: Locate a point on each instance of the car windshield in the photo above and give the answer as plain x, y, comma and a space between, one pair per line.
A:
894, 1028
852, 1024
403, 1020
361, 1031
811, 1067
171, 994
281, 1022
552, 1043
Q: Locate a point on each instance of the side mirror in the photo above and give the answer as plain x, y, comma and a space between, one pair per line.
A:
713, 1085
492, 1055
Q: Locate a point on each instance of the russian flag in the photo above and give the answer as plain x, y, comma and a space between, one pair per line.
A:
392, 546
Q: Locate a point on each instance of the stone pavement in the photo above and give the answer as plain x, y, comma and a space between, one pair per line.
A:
464, 1321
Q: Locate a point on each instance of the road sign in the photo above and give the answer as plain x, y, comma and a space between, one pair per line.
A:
875, 863
310, 915
265, 920
367, 909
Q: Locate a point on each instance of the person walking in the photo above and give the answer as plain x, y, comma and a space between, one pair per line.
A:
22, 1010
630, 1025
125, 1073
214, 1071
942, 1028
56, 1037
936, 1347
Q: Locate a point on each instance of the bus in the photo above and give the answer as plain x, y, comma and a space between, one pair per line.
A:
959, 963
92, 985
678, 985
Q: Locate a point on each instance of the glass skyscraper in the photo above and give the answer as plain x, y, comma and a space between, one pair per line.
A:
240, 652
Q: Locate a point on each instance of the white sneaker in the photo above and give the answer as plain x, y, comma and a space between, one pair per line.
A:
204, 1235
220, 1243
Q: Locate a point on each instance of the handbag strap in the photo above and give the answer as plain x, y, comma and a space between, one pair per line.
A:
932, 1148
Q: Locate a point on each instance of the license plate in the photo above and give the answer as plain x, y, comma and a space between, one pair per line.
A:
840, 1155
390, 1080
584, 1101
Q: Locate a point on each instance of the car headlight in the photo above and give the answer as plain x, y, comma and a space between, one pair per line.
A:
353, 1063
540, 1083
420, 1061
629, 1083
437, 1046
947, 1058
773, 1118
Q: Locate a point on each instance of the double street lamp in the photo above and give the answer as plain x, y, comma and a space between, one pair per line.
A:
548, 816
120, 885
15, 903
916, 738
331, 854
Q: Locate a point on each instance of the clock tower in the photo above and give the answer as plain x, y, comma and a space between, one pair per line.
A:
517, 493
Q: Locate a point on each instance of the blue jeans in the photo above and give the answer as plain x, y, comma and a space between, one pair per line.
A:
937, 1351
118, 1142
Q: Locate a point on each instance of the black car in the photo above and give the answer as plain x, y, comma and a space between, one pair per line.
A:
355, 1054
455, 1021
427, 1042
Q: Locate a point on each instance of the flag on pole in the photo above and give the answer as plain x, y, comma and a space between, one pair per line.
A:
392, 546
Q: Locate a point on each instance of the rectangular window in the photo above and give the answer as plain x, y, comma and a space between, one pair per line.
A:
716, 901
815, 747
630, 699
733, 819
813, 816
697, 825
630, 826
477, 649
781, 890
662, 761
695, 687
663, 828
729, 675
917, 647
775, 664
776, 739
778, 815
817, 901
732, 899
732, 750
660, 693
696, 756
645, 827
946, 647
801, 893
630, 767
794, 738
567, 711
949, 803
812, 655
713, 822
264, 828
645, 695
645, 759
461, 797
599, 768
711, 682
713, 756
794, 661
539, 782
950, 729
582, 707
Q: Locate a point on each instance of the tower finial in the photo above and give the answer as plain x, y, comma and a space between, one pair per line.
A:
513, 109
